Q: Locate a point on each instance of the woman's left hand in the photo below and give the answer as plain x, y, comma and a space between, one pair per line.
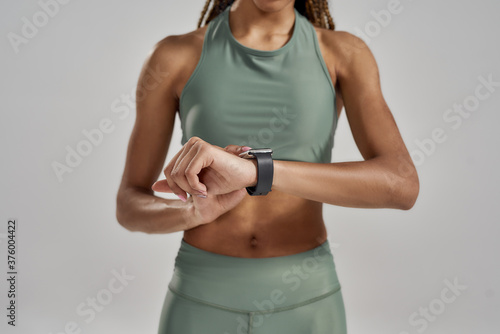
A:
200, 167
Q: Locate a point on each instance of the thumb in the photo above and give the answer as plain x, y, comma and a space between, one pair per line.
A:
230, 200
236, 149
161, 186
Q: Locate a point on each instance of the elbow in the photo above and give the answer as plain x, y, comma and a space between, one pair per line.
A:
124, 221
411, 195
121, 218
404, 192
121, 214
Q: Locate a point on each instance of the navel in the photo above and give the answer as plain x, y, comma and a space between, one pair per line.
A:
253, 241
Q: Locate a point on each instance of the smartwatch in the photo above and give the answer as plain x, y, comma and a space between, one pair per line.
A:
265, 170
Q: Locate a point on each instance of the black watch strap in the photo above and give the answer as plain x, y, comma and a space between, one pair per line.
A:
265, 173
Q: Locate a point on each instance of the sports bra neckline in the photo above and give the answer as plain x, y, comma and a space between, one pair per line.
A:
257, 52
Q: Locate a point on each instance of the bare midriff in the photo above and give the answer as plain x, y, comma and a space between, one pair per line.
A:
276, 224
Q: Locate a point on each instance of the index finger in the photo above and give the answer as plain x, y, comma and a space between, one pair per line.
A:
199, 161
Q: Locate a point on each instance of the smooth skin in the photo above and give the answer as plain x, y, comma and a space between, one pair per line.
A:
289, 219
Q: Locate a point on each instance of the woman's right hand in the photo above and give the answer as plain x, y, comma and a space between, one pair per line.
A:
205, 210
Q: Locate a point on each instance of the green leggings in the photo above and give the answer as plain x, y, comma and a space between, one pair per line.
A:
218, 294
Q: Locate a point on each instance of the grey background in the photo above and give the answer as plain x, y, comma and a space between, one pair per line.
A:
391, 263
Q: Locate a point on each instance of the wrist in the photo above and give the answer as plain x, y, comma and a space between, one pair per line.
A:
190, 216
252, 181
277, 170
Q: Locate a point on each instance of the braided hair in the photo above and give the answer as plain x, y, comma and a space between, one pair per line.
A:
316, 11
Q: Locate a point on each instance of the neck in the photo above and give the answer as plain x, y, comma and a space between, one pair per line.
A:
246, 19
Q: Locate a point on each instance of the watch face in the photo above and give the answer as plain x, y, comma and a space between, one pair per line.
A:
250, 153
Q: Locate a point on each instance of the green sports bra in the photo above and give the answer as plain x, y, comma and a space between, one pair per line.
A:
283, 99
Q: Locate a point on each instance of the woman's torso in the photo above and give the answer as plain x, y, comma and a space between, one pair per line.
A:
260, 226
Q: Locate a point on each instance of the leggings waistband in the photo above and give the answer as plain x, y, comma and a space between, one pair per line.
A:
254, 284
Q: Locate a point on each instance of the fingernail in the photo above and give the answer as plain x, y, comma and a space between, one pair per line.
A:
246, 148
203, 192
202, 196
182, 198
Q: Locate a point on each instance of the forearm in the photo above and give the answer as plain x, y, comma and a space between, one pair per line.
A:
373, 183
139, 210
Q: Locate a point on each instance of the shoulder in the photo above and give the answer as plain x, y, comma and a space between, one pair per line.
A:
175, 50
173, 58
343, 47
343, 43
